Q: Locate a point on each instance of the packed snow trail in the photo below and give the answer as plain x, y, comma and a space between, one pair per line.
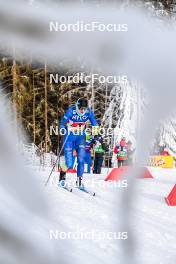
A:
152, 220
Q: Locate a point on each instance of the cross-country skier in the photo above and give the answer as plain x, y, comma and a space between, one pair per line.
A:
74, 122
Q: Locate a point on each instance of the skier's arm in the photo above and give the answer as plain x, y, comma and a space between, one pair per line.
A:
65, 119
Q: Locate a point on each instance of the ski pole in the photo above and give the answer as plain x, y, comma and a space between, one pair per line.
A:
57, 159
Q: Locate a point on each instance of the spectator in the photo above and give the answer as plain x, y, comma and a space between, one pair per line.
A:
121, 151
165, 152
99, 151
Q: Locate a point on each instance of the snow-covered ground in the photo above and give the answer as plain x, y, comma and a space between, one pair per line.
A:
76, 214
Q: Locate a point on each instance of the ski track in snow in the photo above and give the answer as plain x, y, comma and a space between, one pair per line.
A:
153, 222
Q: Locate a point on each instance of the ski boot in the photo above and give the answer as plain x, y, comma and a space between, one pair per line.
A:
62, 178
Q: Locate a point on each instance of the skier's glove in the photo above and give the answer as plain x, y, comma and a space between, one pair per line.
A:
95, 130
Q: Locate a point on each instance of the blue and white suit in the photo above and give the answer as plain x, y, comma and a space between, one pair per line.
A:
76, 141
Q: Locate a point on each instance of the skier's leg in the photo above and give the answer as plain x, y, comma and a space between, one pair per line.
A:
89, 162
69, 159
100, 162
80, 148
95, 165
86, 161
68, 152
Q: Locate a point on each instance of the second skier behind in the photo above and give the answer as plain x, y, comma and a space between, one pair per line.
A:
99, 150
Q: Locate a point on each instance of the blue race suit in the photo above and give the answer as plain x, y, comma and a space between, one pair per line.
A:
76, 141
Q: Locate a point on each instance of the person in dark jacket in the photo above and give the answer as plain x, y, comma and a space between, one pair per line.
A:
99, 151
